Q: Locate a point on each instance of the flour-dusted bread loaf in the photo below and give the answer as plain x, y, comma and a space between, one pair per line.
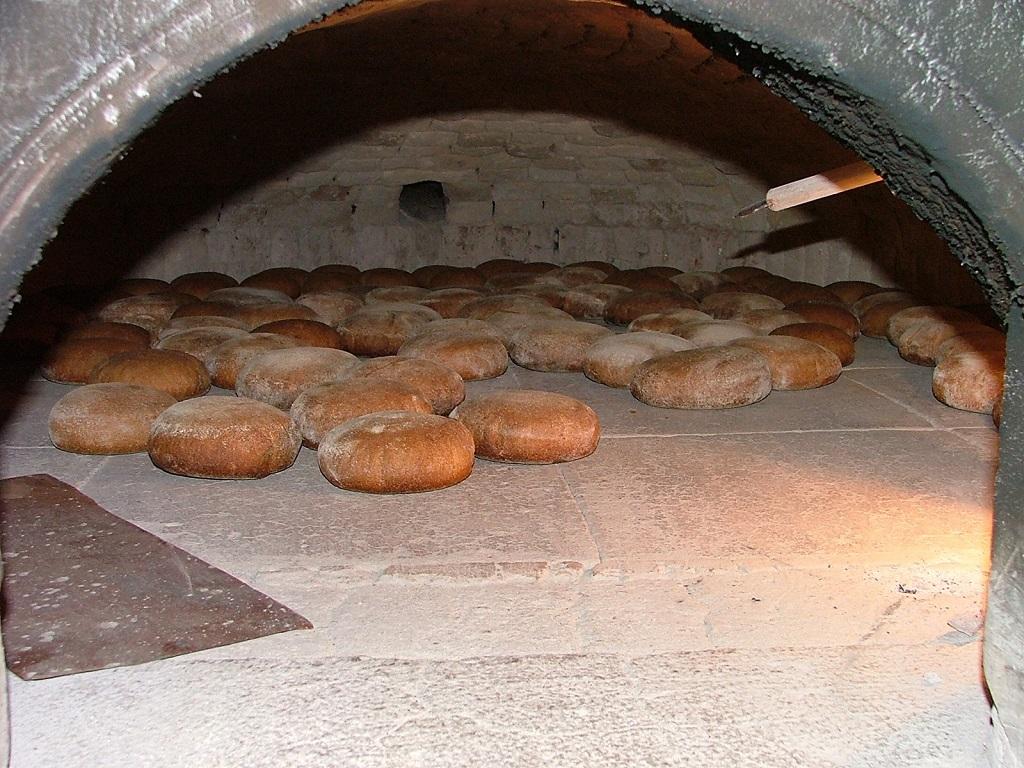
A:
970, 381
474, 355
178, 374
382, 328
550, 294
106, 418
227, 359
442, 387
554, 345
851, 291
188, 323
503, 284
920, 342
712, 378
395, 293
875, 319
279, 376
332, 307
151, 311
866, 302
506, 324
255, 315
397, 452
201, 284
591, 300
245, 296
726, 305
903, 320
604, 266
699, 283
448, 302
828, 336
829, 314
483, 308
666, 322
530, 427
72, 362
206, 309
625, 309
287, 280
578, 275
199, 341
223, 438
767, 320
980, 340
714, 333
103, 329
308, 333
320, 409
613, 360
795, 363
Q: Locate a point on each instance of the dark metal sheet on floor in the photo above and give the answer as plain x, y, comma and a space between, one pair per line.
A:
84, 589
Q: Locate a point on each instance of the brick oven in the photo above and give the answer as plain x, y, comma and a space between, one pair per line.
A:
800, 582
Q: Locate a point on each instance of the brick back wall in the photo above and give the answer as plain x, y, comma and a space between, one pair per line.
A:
553, 187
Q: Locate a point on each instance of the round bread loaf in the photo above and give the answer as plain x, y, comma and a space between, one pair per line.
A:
920, 342
579, 275
247, 296
502, 284
324, 407
226, 360
260, 314
493, 267
625, 309
713, 378
982, 341
423, 274
713, 333
875, 319
970, 381
641, 280
699, 283
666, 322
397, 453
728, 304
331, 306
827, 336
308, 333
870, 300
448, 302
206, 309
530, 427
178, 374
768, 285
178, 324
106, 418
554, 345
331, 281
905, 318
200, 284
442, 387
199, 341
829, 314
72, 362
287, 280
550, 294
613, 360
851, 291
798, 292
590, 301
508, 323
604, 266
393, 293
223, 438
742, 273
795, 363
474, 355
102, 329
767, 320
483, 308
151, 311
461, 325
381, 329
386, 277
456, 277
279, 376
662, 270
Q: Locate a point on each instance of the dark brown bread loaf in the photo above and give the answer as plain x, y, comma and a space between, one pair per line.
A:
767, 320
102, 329
393, 293
712, 378
590, 301
795, 363
321, 408
287, 280
224, 438
530, 427
625, 309
178, 374
199, 341
474, 355
827, 336
829, 314
851, 291
699, 283
256, 315
200, 284
106, 418
920, 342
901, 321
72, 362
397, 453
308, 333
384, 277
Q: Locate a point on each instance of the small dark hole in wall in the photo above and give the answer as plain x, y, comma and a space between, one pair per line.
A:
424, 201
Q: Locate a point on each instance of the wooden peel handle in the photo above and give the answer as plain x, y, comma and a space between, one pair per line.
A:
832, 182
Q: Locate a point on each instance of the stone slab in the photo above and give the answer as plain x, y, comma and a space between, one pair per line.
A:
911, 386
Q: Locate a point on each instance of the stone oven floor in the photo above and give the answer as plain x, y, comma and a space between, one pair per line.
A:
769, 586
